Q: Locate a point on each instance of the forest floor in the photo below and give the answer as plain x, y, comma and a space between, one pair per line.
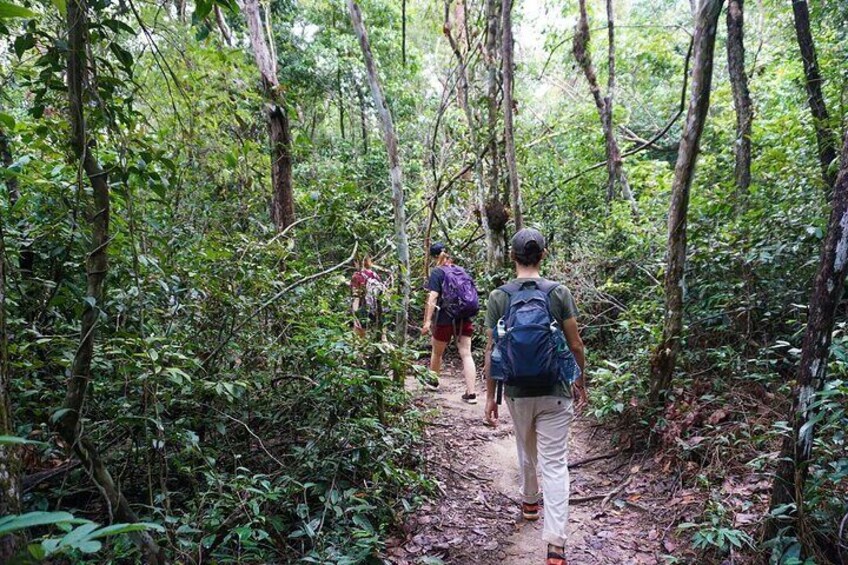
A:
623, 509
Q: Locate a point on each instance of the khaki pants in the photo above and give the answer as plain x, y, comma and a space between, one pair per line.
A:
541, 433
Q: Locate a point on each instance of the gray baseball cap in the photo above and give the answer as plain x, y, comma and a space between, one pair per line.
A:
527, 241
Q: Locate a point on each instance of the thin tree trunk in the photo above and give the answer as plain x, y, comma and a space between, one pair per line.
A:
793, 466
282, 202
495, 213
662, 364
10, 462
580, 47
509, 107
403, 32
741, 97
68, 422
223, 27
824, 134
26, 261
341, 101
480, 194
363, 119
395, 173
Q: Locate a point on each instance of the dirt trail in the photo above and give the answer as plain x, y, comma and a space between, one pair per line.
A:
621, 510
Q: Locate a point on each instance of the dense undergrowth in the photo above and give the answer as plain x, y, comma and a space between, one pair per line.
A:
260, 431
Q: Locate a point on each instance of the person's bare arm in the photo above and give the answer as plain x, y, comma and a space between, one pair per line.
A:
491, 404
432, 300
575, 344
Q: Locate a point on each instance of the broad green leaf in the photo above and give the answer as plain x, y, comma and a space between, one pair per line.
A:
9, 11
15, 440
89, 546
116, 529
32, 519
78, 534
58, 414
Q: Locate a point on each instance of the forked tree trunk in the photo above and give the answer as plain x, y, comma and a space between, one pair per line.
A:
741, 97
824, 134
68, 420
793, 467
495, 213
279, 130
580, 47
663, 361
509, 108
473, 138
395, 173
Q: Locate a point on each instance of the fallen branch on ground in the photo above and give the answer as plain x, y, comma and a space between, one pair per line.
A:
592, 459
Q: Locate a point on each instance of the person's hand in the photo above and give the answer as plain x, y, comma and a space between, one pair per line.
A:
425, 329
581, 397
491, 412
356, 324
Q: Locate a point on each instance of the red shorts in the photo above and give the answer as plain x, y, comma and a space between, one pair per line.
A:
444, 332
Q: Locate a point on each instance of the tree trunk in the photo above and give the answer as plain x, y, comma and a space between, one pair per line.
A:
824, 135
68, 422
580, 47
793, 466
395, 173
662, 363
26, 261
403, 33
340, 97
495, 212
741, 97
363, 119
509, 107
223, 27
282, 202
10, 463
480, 194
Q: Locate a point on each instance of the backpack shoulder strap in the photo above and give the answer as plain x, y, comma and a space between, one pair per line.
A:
547, 286
510, 288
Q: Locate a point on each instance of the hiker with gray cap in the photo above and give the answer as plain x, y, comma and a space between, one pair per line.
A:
535, 353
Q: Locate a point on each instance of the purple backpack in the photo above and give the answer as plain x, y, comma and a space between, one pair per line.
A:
459, 295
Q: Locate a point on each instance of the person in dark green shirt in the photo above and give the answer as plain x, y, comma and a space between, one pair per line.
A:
541, 416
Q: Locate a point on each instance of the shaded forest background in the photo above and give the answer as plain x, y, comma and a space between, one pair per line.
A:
226, 399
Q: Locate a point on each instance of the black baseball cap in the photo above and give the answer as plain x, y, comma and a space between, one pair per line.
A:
527, 241
437, 248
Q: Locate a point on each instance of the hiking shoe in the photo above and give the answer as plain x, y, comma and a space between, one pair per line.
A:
530, 511
556, 556
469, 398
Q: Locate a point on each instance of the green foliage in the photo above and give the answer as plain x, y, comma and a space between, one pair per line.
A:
290, 440
715, 532
81, 536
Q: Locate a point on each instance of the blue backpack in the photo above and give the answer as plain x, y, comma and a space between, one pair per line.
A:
459, 295
530, 349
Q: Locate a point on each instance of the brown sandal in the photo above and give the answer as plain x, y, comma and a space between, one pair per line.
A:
529, 511
556, 557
